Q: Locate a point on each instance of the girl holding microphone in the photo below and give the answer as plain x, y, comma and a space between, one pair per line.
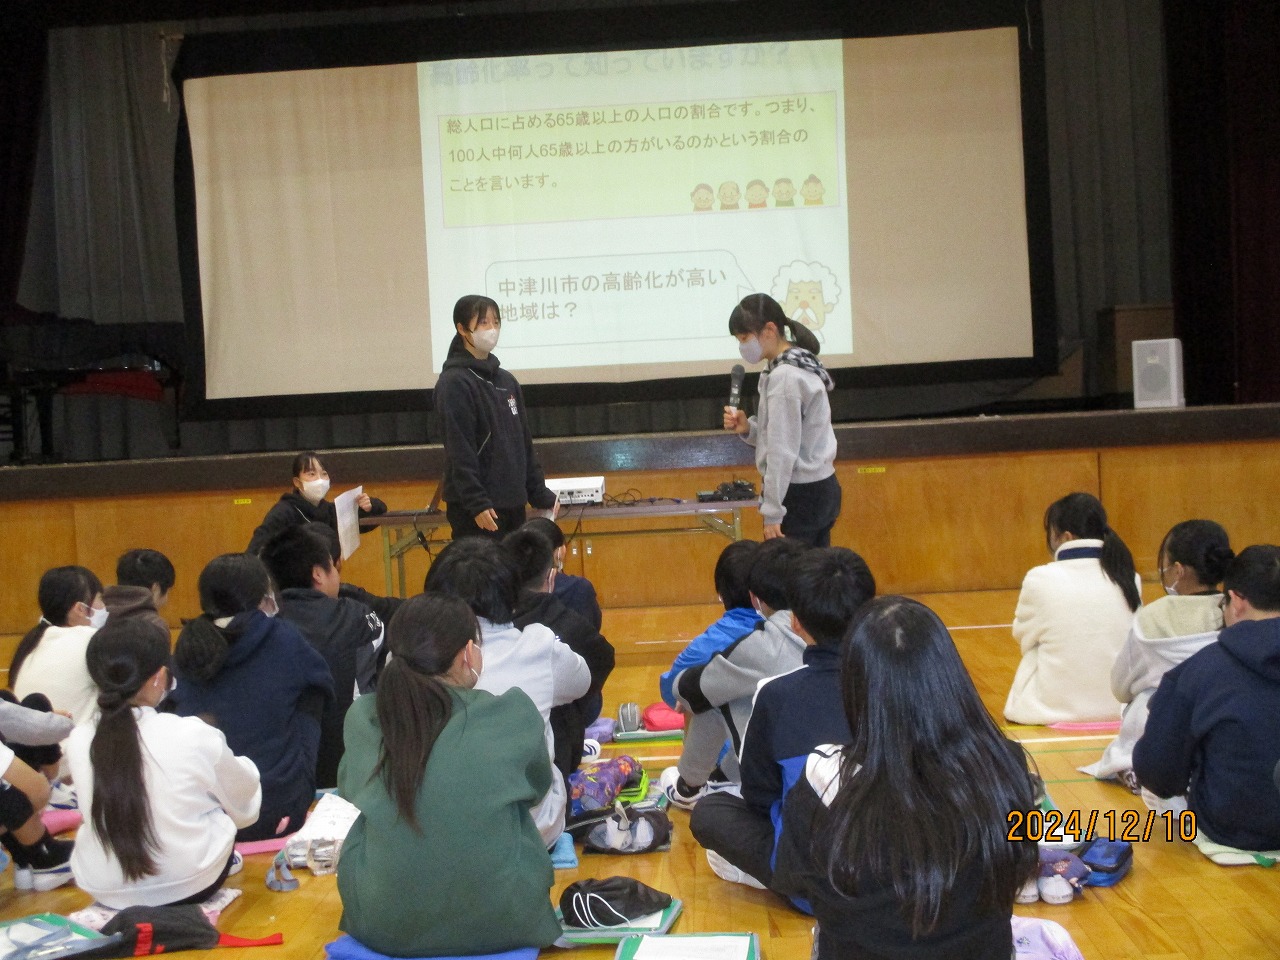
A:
791, 431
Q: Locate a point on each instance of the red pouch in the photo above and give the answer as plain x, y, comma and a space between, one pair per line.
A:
658, 716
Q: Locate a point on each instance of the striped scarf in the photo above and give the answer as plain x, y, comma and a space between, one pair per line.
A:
802, 358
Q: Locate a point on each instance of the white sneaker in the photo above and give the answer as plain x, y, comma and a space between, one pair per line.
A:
670, 781
62, 796
41, 879
1056, 890
1030, 892
237, 863
676, 797
725, 870
590, 749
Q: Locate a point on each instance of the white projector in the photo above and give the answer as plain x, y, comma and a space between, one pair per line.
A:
575, 490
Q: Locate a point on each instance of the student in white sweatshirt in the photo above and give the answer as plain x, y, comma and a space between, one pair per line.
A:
791, 431
162, 795
50, 658
1193, 559
1072, 618
533, 659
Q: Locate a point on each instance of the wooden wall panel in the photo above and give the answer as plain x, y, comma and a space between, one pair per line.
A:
955, 523
1147, 490
662, 569
36, 536
925, 525
190, 529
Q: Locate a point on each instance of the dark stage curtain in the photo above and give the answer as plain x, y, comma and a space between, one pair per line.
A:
1253, 116
22, 65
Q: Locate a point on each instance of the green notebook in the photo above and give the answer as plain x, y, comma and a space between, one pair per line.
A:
685, 946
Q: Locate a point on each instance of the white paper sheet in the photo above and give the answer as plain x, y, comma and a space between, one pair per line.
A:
348, 520
736, 947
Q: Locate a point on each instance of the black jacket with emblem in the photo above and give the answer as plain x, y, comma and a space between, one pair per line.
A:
486, 436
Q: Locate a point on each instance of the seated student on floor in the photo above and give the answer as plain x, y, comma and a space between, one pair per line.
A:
1192, 559
793, 715
39, 861
717, 696
575, 592
345, 632
384, 607
739, 619
1212, 724
306, 503
444, 859
162, 795
1072, 618
903, 857
143, 581
141, 575
252, 676
49, 659
484, 575
535, 562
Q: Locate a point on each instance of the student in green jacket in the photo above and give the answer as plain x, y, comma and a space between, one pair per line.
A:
444, 860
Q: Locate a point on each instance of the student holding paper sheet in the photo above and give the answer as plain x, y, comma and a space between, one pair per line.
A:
306, 503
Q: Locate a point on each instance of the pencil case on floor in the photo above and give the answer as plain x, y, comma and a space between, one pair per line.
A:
1108, 861
629, 717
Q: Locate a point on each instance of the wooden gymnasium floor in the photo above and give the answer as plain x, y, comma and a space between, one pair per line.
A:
1174, 904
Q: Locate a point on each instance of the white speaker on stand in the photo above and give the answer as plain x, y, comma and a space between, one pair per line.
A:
1157, 374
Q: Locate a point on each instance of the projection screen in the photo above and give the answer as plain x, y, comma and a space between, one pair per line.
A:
616, 205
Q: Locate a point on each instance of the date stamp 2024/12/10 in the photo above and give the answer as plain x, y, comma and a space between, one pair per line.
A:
1082, 827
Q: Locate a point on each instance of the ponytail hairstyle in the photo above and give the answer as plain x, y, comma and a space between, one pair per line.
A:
413, 701
60, 589
755, 311
1201, 545
229, 585
1082, 515
927, 784
121, 658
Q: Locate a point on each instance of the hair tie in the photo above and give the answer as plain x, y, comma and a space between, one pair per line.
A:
45, 621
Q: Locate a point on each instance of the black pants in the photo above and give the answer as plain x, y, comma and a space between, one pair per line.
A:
743, 836
210, 890
812, 509
463, 524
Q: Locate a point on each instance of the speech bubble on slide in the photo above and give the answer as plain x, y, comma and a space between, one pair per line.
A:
620, 300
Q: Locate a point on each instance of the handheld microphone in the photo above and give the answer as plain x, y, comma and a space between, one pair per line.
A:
735, 385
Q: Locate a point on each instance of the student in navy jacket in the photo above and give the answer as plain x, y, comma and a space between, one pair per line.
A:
1211, 730
577, 593
491, 471
257, 680
793, 714
345, 632
535, 559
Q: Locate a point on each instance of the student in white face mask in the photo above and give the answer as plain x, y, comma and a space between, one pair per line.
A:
306, 503
1191, 563
50, 658
791, 430
491, 472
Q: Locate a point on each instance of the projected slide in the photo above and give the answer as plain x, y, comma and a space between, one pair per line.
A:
616, 206
622, 230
